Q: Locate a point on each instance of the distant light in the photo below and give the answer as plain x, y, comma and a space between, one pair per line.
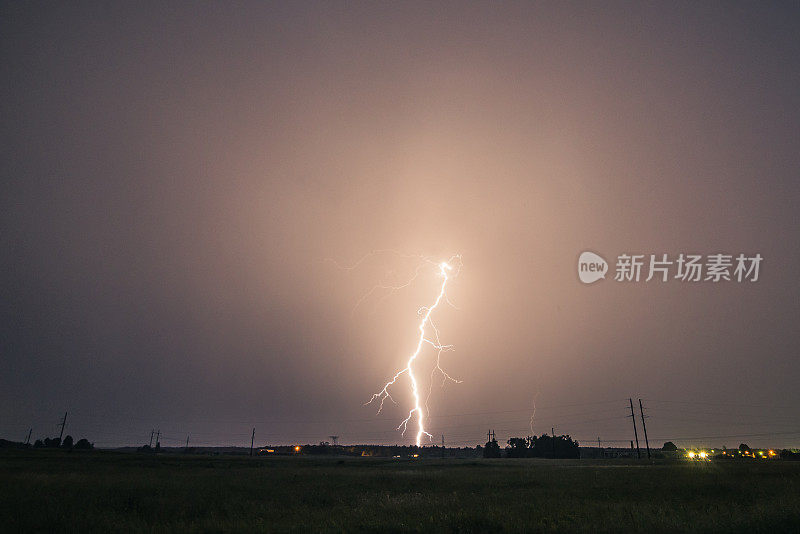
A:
690, 455
297, 448
703, 454
415, 455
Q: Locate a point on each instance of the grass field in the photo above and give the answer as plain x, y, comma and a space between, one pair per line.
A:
50, 491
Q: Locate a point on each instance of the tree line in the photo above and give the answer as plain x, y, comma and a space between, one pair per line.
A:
68, 443
544, 446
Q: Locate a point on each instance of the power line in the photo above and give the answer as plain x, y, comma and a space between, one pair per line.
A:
644, 428
63, 424
360, 420
736, 435
748, 405
633, 419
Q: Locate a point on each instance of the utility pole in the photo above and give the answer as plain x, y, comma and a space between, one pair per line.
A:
442, 445
152, 431
335, 440
598, 442
644, 427
158, 435
490, 435
63, 423
252, 439
187, 441
28, 439
553, 433
635, 434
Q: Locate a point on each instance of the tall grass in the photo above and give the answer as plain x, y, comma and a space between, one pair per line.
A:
101, 491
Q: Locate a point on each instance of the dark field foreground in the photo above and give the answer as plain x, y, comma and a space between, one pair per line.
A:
104, 491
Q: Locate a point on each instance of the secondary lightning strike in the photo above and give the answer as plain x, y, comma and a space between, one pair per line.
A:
533, 415
425, 312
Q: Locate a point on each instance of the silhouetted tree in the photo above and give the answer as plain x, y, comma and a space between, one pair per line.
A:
83, 444
38, 444
546, 446
68, 441
743, 448
52, 443
491, 450
669, 446
517, 448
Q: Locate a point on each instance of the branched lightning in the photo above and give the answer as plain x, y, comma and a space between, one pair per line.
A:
390, 288
447, 270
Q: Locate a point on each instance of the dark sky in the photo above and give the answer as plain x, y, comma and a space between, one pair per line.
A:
175, 176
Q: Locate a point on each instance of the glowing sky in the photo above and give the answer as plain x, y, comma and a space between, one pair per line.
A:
174, 178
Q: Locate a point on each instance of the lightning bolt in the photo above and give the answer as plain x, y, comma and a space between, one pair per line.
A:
447, 269
533, 415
